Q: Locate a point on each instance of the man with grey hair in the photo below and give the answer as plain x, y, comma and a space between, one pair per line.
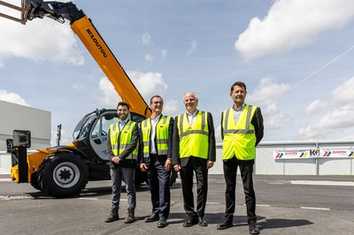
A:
193, 151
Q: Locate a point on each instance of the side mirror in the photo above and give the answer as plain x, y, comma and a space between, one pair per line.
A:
21, 138
9, 145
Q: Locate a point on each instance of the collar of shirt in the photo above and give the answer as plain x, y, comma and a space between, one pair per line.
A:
122, 122
238, 109
192, 114
156, 119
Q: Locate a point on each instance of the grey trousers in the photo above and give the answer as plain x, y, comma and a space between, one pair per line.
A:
128, 176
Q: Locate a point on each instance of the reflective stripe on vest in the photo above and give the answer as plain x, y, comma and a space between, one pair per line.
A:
161, 135
121, 139
194, 139
239, 138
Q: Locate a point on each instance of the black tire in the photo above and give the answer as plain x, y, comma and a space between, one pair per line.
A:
63, 175
34, 181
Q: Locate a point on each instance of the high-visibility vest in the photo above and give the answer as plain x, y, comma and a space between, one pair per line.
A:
120, 139
161, 135
239, 138
193, 139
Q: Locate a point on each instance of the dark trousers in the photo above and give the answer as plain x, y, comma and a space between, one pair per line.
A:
230, 172
199, 166
128, 176
159, 186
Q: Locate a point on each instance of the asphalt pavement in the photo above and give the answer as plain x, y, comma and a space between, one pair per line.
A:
285, 205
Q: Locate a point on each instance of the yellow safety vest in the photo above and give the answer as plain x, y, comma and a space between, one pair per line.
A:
120, 139
193, 139
161, 135
239, 138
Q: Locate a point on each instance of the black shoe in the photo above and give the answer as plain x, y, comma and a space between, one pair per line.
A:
162, 223
253, 229
202, 222
130, 218
190, 221
152, 218
112, 218
227, 224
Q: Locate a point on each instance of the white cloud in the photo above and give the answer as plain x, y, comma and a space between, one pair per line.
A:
148, 85
344, 92
315, 106
192, 48
39, 40
107, 94
267, 95
333, 114
292, 23
148, 58
12, 98
171, 107
146, 39
268, 91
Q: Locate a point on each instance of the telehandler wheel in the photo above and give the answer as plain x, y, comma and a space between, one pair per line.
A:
34, 181
64, 175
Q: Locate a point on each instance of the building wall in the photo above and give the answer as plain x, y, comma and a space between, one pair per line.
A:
14, 116
266, 164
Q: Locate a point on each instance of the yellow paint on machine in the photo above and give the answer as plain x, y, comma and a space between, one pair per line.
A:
34, 161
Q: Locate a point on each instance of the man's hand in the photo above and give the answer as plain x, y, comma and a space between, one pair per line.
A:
210, 164
144, 167
115, 160
177, 167
168, 164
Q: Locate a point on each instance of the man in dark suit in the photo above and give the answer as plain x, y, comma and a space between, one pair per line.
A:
156, 148
241, 130
193, 151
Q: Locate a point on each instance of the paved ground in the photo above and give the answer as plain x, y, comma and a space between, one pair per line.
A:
282, 207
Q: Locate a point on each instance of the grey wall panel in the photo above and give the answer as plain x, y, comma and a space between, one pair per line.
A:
335, 167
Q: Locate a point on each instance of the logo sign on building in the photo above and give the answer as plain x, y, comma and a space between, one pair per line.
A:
321, 153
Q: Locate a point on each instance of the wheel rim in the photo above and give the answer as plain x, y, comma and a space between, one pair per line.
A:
66, 174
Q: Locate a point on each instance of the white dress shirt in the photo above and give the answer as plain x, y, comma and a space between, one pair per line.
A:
122, 123
191, 117
154, 122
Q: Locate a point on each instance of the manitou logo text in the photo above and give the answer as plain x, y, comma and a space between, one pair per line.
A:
98, 45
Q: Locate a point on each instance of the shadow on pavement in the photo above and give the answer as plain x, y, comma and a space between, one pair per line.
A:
283, 223
89, 192
212, 218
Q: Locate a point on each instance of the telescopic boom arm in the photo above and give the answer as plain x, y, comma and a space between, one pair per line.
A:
90, 37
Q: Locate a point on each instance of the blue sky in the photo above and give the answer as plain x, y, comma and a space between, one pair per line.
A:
294, 55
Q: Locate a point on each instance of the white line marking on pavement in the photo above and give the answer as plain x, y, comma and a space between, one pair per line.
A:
326, 183
8, 198
88, 198
263, 205
315, 208
213, 203
5, 180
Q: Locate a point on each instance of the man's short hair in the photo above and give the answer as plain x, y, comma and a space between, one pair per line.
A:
122, 103
240, 84
155, 96
191, 93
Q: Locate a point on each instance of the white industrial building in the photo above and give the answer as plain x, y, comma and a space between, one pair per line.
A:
19, 117
273, 158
